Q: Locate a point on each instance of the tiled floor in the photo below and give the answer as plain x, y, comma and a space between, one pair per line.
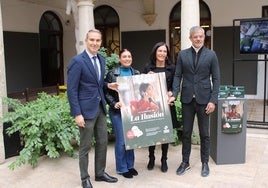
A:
64, 172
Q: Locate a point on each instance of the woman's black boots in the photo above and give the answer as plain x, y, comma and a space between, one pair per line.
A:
151, 163
164, 166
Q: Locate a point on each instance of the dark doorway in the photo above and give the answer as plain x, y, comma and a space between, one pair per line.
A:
132, 40
107, 21
51, 33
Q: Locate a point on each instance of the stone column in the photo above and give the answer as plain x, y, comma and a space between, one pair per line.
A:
85, 21
71, 8
3, 92
190, 16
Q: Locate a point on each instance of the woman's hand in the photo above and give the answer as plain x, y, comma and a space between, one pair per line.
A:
118, 105
171, 99
113, 86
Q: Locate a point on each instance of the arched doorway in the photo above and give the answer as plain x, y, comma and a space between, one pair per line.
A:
51, 49
175, 23
107, 21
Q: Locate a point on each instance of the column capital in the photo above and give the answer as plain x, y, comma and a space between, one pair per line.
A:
149, 18
85, 2
149, 13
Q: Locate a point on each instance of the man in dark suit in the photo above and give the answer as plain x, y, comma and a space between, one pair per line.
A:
87, 102
198, 75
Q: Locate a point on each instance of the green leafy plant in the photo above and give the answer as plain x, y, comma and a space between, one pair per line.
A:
45, 127
178, 131
111, 61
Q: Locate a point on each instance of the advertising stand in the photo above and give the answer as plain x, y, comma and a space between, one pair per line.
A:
228, 131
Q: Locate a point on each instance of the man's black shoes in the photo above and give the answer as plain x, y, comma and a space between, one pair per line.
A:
182, 168
86, 183
205, 170
107, 178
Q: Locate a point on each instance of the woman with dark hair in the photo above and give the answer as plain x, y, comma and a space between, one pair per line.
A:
146, 103
124, 158
160, 62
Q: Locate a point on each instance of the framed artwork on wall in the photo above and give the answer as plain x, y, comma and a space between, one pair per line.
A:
264, 11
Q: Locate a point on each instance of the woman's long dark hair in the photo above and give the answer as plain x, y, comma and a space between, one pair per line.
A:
153, 53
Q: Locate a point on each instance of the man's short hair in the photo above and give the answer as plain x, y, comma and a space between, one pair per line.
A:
93, 30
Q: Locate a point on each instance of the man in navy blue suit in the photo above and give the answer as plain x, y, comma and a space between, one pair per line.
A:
87, 102
197, 74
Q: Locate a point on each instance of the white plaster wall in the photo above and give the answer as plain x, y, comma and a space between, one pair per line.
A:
19, 16
25, 17
134, 10
129, 12
69, 49
224, 11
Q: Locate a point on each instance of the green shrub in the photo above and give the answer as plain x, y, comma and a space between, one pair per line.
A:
178, 131
111, 61
45, 127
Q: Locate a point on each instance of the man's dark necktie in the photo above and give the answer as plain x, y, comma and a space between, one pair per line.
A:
196, 59
96, 66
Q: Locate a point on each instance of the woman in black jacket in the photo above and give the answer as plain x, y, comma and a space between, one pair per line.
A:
160, 62
124, 158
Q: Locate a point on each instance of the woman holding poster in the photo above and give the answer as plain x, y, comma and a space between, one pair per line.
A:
160, 62
124, 158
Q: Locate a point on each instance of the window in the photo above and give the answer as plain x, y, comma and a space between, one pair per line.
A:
51, 49
107, 21
175, 23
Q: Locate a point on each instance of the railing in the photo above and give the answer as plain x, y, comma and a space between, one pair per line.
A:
30, 94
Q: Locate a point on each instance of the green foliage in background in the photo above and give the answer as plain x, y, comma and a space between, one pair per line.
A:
111, 61
177, 132
45, 127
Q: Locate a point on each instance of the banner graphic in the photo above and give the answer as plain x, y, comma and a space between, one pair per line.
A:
145, 111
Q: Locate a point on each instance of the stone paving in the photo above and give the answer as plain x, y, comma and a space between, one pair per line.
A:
64, 172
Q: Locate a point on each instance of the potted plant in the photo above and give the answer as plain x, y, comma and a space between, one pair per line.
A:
45, 127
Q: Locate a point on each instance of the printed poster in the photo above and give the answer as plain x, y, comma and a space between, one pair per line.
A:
145, 111
232, 116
